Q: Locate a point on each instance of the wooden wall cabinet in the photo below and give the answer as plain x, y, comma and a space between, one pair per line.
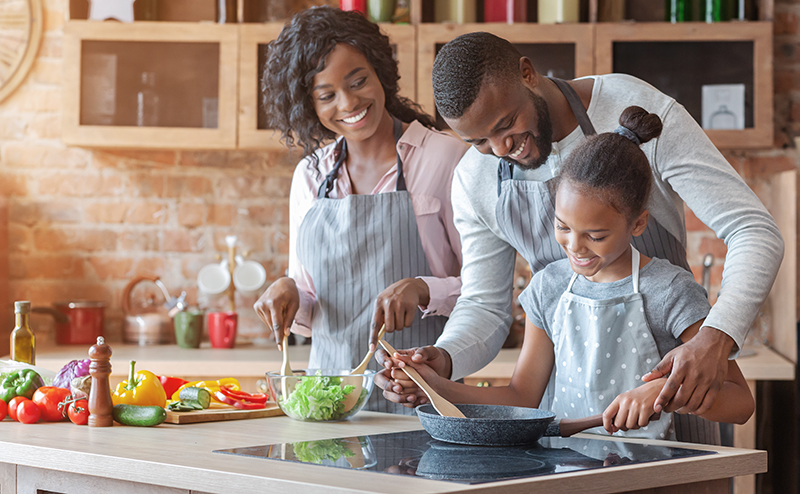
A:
150, 85
679, 58
105, 62
253, 40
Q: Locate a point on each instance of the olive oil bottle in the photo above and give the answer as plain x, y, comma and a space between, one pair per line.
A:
22, 340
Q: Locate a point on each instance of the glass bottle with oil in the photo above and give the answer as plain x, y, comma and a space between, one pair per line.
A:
23, 344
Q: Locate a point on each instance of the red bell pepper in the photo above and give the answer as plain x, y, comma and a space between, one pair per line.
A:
171, 384
240, 404
243, 396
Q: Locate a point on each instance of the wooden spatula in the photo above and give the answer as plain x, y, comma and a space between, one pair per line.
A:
444, 407
363, 365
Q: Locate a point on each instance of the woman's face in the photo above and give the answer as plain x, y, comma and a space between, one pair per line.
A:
348, 97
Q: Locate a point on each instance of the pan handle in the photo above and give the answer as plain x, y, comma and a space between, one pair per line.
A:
569, 427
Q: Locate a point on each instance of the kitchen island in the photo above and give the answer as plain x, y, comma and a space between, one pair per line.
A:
62, 458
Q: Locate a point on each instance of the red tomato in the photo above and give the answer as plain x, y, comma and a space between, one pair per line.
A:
28, 412
3, 409
79, 412
48, 398
12, 406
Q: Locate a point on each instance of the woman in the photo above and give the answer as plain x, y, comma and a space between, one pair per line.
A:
371, 229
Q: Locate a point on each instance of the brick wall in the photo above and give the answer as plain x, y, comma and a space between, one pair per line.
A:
82, 222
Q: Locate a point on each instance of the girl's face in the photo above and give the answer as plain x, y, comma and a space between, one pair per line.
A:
595, 236
348, 97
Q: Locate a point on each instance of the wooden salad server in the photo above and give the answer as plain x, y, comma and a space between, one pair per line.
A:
363, 365
444, 407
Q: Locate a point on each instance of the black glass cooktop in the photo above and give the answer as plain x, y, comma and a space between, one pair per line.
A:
417, 454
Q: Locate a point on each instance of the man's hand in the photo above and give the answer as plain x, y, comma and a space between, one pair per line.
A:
696, 371
397, 305
407, 393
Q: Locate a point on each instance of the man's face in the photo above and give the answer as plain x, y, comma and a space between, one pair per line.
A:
508, 120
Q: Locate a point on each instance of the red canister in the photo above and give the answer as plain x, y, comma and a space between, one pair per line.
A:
509, 11
84, 322
357, 5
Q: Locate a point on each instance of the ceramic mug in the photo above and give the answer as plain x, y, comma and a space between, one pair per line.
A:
249, 276
214, 278
222, 329
188, 328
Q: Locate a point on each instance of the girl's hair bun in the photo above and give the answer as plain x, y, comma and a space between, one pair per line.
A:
645, 125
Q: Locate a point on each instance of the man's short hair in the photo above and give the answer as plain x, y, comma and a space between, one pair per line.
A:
464, 64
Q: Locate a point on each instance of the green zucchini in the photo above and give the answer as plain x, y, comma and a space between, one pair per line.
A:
193, 395
141, 416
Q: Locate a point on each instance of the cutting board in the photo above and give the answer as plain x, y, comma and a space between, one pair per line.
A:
217, 414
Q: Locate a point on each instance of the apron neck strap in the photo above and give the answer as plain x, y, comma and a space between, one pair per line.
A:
635, 268
326, 186
635, 257
576, 105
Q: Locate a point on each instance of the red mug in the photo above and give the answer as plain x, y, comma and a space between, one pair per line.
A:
222, 329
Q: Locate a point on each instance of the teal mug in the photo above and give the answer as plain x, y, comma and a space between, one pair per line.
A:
188, 328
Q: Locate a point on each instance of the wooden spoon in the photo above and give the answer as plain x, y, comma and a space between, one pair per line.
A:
363, 365
444, 407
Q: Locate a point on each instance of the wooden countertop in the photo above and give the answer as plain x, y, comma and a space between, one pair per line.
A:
180, 456
253, 361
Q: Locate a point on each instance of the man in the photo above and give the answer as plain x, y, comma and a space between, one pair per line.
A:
495, 100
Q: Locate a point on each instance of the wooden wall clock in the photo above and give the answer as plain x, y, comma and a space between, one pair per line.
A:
20, 35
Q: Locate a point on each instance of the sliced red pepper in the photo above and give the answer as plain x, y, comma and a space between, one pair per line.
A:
241, 395
171, 384
248, 405
240, 404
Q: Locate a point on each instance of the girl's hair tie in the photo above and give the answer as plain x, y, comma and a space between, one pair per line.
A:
628, 133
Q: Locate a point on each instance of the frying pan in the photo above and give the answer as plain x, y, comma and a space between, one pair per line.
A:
498, 425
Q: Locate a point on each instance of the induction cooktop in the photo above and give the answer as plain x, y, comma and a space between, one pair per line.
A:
416, 453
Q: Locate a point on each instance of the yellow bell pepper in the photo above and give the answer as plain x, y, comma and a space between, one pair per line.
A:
211, 386
142, 388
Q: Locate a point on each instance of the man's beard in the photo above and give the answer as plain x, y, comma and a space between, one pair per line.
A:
543, 139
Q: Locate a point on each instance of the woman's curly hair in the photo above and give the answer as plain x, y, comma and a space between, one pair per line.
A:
299, 54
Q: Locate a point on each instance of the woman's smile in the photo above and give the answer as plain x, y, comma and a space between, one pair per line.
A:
357, 117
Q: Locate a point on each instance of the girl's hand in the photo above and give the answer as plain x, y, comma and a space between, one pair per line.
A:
278, 306
633, 409
397, 306
410, 395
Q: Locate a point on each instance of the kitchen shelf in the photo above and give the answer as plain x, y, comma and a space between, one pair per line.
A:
253, 131
564, 51
109, 102
680, 58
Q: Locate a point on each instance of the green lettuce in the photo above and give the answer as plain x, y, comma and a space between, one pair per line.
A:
319, 451
317, 398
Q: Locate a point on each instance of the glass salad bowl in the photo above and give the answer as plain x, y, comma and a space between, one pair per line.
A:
321, 395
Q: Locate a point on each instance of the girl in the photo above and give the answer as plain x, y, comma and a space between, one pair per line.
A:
598, 320
371, 234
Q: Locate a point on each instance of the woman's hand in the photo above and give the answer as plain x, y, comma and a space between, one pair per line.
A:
397, 305
633, 409
278, 306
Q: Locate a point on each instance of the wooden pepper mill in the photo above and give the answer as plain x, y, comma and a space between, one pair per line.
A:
100, 406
